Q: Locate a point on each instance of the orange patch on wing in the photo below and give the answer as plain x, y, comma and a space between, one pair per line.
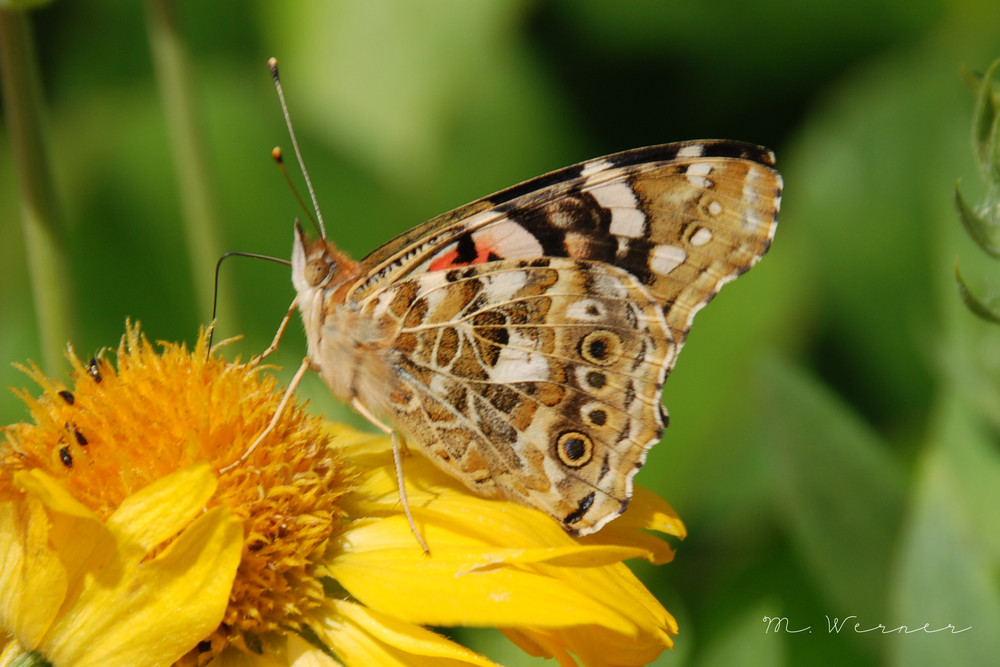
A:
484, 253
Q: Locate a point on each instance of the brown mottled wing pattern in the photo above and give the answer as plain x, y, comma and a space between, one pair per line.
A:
684, 218
533, 329
536, 381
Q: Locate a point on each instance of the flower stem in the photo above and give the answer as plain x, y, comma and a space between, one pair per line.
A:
47, 264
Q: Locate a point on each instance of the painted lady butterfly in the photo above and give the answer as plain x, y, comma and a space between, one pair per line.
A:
522, 341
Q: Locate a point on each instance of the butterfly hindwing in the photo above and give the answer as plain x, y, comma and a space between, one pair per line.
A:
534, 381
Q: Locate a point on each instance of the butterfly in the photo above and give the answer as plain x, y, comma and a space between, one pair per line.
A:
521, 342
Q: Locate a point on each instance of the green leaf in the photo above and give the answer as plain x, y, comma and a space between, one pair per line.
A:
983, 230
983, 120
837, 489
747, 636
946, 575
993, 154
974, 303
30, 659
972, 79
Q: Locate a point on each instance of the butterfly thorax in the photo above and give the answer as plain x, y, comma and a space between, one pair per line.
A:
347, 347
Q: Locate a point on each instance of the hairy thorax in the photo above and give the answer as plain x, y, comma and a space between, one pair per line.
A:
350, 351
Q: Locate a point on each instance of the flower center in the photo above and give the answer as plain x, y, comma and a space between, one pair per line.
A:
115, 430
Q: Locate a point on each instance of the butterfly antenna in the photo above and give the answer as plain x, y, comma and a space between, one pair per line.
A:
279, 158
272, 64
215, 294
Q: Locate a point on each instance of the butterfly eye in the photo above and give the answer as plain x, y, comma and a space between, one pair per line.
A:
317, 270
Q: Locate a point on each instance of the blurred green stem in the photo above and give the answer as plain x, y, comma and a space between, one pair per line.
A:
47, 264
982, 222
171, 63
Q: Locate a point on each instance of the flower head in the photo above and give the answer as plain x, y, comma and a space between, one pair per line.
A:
126, 547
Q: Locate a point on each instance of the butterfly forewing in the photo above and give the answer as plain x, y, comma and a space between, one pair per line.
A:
642, 210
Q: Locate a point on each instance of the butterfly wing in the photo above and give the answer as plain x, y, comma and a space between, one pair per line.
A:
535, 381
531, 331
684, 218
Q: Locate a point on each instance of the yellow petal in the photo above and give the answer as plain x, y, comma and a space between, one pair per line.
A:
51, 493
646, 511
303, 654
492, 563
82, 542
232, 657
436, 499
296, 652
60, 539
459, 586
33, 580
156, 513
364, 637
654, 513
590, 645
11, 650
153, 612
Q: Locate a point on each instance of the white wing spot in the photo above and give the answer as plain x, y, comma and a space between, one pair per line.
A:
594, 166
586, 310
622, 246
383, 303
430, 289
697, 174
702, 236
501, 287
609, 286
750, 195
714, 208
666, 258
626, 217
509, 239
628, 222
751, 200
518, 363
694, 150
614, 195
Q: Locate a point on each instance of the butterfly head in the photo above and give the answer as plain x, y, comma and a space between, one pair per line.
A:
318, 265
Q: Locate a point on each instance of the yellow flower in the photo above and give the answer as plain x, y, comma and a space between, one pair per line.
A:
125, 547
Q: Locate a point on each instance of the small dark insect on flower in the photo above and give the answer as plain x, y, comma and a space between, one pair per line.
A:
94, 370
80, 438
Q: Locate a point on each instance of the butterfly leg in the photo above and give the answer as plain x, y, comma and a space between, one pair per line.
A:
277, 337
396, 457
274, 420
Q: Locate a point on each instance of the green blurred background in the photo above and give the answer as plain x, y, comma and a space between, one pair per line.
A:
835, 414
